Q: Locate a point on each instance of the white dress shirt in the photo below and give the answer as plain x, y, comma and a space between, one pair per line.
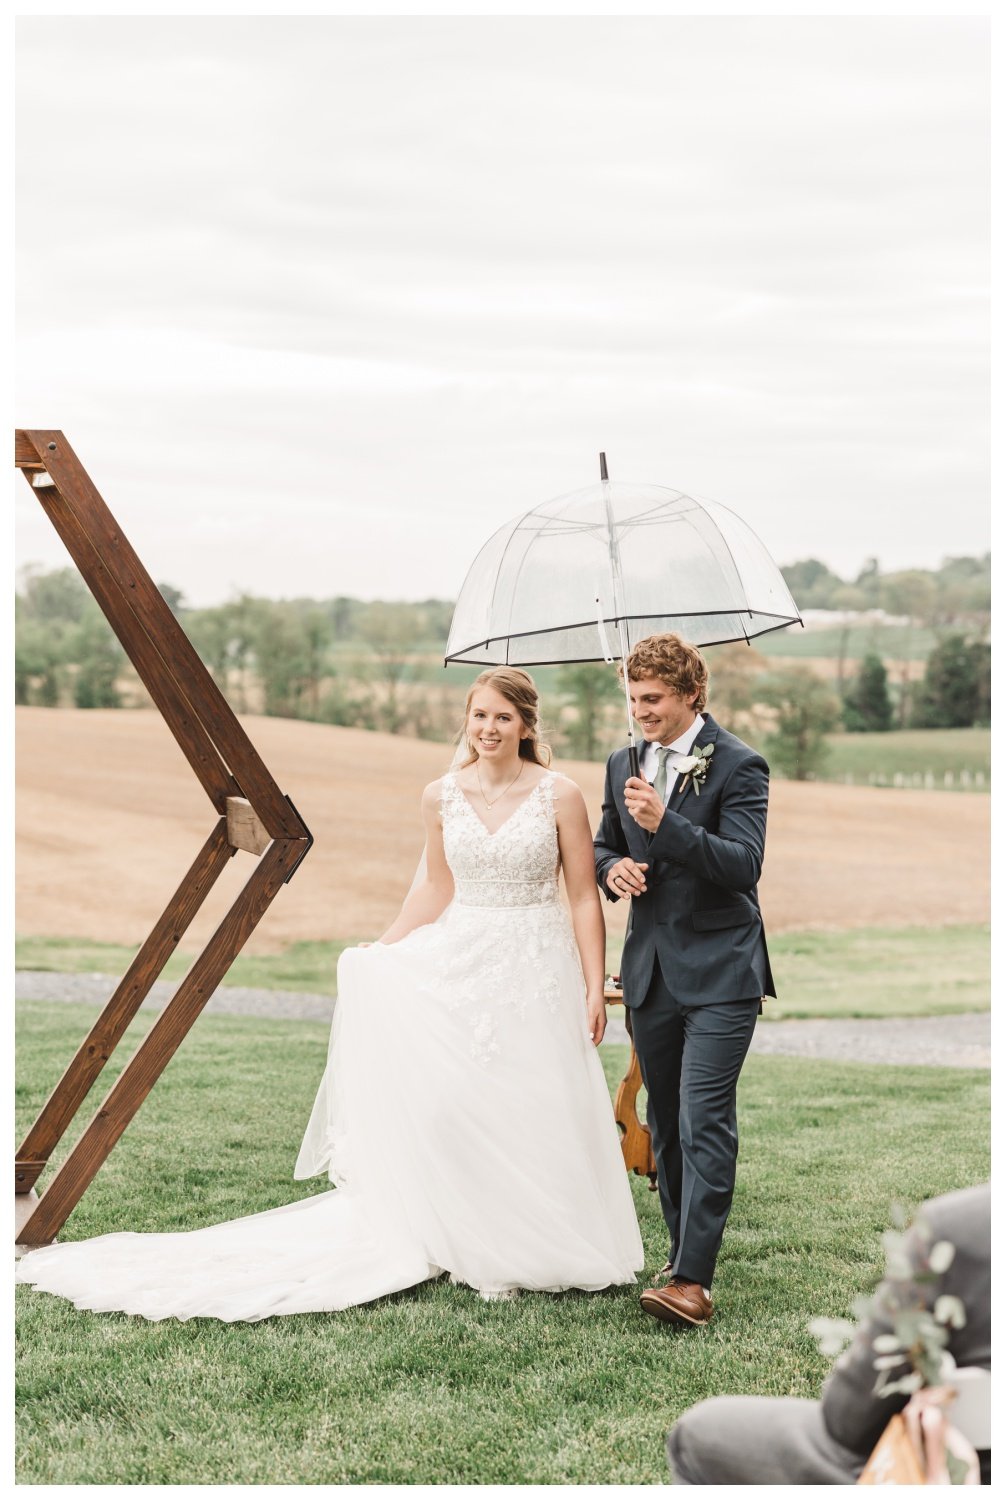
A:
648, 762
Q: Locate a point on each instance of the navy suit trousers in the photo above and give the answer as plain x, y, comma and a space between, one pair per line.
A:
690, 1059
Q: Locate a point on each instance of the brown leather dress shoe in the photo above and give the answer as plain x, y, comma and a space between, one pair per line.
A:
682, 1302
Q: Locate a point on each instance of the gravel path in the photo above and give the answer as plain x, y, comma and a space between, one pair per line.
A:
228, 1000
958, 1041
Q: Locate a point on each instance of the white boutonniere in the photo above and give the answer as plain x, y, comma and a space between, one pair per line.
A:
695, 768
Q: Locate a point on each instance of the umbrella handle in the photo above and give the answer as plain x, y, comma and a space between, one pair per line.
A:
633, 760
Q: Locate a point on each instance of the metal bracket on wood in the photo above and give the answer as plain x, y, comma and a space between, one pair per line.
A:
252, 814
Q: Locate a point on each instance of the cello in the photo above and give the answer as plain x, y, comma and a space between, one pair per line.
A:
637, 1147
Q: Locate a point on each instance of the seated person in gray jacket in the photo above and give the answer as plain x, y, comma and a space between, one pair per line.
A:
786, 1440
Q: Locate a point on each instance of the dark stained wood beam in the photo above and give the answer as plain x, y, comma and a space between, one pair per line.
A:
152, 612
97, 1047
253, 815
159, 1045
25, 453
147, 657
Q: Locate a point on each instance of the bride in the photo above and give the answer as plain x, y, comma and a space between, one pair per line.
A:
463, 1117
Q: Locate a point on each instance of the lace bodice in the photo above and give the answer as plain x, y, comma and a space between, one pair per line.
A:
515, 866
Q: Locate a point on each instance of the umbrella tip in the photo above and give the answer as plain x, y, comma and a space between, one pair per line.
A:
604, 466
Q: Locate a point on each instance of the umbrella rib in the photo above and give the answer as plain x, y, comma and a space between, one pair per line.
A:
559, 527
733, 560
654, 519
485, 546
740, 520
654, 510
730, 552
499, 571
517, 526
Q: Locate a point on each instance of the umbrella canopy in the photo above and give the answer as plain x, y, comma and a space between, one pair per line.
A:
586, 576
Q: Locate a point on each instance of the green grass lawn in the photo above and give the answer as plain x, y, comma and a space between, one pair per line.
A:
434, 1385
871, 971
881, 971
911, 752
307, 966
894, 642
874, 972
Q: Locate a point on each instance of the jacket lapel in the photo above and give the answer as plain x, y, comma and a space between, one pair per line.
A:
680, 796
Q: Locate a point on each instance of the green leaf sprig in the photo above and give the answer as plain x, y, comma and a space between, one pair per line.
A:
910, 1356
695, 768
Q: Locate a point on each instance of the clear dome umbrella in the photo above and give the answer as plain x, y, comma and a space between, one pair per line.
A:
587, 575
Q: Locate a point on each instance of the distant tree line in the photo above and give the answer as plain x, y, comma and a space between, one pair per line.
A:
378, 665
338, 661
955, 693
957, 593
63, 642
952, 603
790, 710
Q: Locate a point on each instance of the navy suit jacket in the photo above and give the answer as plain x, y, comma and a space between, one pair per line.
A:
699, 917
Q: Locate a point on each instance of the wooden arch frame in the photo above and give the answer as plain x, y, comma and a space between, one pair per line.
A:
251, 813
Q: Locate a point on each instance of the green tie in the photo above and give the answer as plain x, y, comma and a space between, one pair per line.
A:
660, 780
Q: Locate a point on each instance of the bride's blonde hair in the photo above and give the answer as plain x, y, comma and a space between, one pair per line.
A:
519, 690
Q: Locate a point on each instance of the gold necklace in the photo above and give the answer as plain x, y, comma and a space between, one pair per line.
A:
503, 793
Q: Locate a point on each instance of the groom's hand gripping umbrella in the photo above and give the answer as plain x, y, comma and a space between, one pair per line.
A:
587, 575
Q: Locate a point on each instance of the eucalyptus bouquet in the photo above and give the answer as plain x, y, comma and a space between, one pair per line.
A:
912, 1356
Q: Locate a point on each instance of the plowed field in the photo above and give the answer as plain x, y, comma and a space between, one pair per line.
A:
109, 817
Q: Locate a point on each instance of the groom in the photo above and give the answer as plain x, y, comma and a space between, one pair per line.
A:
684, 841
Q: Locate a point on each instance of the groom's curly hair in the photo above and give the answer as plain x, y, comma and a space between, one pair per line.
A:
676, 663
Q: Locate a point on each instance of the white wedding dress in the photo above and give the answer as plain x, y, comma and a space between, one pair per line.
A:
463, 1116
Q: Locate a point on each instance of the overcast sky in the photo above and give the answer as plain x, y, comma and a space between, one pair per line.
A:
322, 301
